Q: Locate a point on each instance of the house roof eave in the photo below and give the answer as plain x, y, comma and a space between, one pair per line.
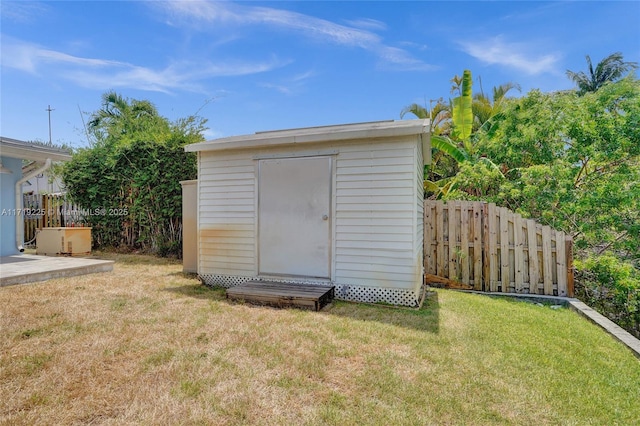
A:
15, 148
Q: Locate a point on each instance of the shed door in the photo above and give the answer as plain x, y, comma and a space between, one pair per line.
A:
294, 209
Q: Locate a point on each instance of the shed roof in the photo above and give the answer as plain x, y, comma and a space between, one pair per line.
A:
375, 129
15, 148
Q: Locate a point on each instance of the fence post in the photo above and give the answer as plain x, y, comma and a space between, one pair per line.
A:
518, 253
454, 264
464, 242
485, 247
561, 263
504, 249
440, 266
477, 246
546, 260
568, 252
45, 211
532, 242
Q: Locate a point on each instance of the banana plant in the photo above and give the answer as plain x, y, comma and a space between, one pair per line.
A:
462, 115
459, 115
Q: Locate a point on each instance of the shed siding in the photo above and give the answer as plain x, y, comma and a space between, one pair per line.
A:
377, 232
374, 240
419, 220
226, 212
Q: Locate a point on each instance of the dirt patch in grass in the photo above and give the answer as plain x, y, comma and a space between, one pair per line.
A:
148, 344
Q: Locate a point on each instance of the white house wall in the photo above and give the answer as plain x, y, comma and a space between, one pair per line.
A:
377, 223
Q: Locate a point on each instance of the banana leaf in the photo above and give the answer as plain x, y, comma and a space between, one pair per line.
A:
462, 116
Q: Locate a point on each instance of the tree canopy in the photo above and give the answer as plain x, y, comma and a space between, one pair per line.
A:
574, 163
568, 159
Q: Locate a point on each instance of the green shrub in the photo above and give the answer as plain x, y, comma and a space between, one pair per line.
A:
612, 287
130, 176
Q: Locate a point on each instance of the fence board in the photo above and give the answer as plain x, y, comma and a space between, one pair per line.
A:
493, 247
532, 251
490, 248
568, 241
464, 242
452, 240
561, 265
440, 240
518, 253
504, 249
428, 238
477, 246
485, 247
547, 260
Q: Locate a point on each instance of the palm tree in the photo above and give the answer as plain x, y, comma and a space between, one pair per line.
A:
119, 116
485, 108
611, 68
439, 115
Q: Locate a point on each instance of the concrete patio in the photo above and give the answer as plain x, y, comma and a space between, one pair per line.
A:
28, 268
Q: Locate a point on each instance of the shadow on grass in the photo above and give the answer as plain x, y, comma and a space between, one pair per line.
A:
134, 258
427, 318
199, 291
187, 275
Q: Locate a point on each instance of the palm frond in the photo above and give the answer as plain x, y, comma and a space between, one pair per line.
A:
415, 109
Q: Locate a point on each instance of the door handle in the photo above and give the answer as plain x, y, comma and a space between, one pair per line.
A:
325, 217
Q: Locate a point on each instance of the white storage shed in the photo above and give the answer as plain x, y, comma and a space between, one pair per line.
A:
334, 205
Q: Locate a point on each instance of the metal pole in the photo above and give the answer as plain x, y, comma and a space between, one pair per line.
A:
49, 110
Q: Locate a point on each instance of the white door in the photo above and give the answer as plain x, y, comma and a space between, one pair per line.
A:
294, 217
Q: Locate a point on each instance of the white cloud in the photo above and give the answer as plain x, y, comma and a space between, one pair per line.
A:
291, 85
496, 51
400, 59
201, 15
229, 13
22, 11
103, 73
27, 56
367, 23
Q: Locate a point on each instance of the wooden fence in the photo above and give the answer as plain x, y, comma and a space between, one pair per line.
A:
488, 248
48, 211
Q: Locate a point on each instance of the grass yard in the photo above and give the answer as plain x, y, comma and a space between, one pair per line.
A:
146, 344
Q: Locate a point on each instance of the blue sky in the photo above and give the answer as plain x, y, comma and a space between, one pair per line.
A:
251, 66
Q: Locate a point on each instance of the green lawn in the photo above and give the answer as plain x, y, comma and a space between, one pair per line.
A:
147, 344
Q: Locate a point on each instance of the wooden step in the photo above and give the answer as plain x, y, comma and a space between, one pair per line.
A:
283, 294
